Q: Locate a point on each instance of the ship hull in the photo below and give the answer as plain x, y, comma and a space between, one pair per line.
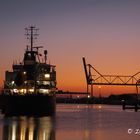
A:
29, 105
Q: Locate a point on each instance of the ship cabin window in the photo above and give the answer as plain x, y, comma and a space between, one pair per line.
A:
44, 91
53, 83
29, 56
47, 83
47, 75
45, 70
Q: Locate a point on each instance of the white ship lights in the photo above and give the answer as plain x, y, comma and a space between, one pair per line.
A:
47, 75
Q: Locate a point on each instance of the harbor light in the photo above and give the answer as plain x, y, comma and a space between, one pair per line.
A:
47, 75
99, 107
24, 72
88, 96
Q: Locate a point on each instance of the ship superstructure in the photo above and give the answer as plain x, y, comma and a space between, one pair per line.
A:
34, 75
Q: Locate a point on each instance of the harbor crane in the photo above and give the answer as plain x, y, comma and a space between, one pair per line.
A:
94, 77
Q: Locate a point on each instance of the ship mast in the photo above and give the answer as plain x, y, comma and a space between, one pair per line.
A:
31, 33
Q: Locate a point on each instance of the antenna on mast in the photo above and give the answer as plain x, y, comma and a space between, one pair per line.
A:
31, 33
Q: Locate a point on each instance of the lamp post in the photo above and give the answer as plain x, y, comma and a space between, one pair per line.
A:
100, 100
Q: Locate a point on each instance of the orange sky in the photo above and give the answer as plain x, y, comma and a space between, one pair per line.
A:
106, 33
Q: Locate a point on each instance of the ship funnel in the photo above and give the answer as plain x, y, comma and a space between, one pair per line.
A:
45, 54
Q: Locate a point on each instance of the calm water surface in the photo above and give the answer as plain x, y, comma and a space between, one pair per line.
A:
75, 122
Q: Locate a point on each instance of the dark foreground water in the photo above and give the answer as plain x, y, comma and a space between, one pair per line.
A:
75, 122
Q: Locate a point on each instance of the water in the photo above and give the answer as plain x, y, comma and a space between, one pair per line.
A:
75, 122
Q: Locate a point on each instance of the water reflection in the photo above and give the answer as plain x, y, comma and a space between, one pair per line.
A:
95, 122
28, 128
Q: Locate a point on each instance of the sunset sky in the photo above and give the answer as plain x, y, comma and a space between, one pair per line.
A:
106, 32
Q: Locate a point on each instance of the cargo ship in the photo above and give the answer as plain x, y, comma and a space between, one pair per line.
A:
30, 88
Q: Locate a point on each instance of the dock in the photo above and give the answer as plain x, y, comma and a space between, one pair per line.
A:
136, 106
